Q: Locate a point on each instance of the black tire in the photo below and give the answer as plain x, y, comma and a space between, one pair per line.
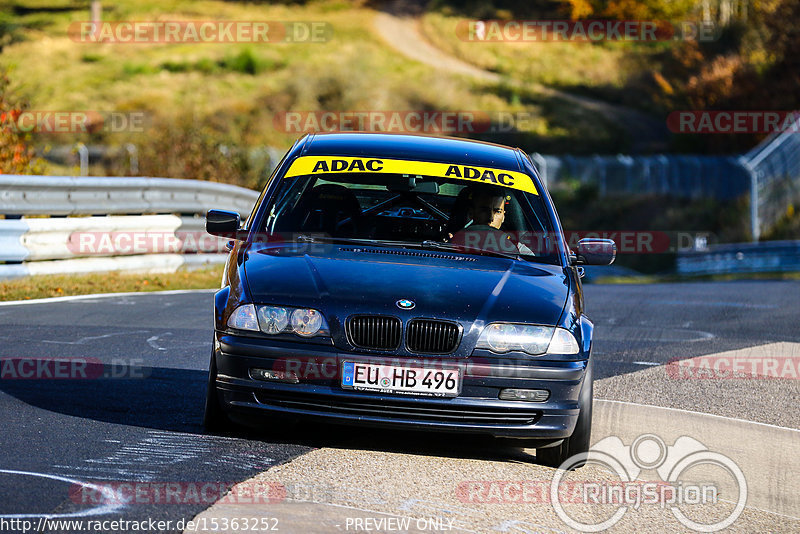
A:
579, 441
214, 418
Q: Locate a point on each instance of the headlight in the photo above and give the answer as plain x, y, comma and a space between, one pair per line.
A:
306, 322
273, 320
563, 343
531, 339
244, 318
503, 337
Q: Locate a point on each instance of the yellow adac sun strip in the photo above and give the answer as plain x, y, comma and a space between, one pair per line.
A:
337, 164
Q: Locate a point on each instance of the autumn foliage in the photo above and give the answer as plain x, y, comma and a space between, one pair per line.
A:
16, 153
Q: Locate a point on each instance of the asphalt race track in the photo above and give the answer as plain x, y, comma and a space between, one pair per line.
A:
115, 429
140, 421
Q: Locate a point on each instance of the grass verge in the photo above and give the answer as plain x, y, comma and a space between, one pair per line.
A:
558, 64
205, 105
36, 287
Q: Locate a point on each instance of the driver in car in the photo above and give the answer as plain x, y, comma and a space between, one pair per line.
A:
487, 212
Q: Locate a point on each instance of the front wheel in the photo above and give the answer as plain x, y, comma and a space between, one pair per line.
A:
214, 418
578, 442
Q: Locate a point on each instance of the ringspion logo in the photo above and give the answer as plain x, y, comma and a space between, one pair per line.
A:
673, 465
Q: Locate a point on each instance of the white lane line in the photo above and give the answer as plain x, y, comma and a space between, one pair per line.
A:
48, 300
768, 469
110, 505
697, 413
152, 341
628, 362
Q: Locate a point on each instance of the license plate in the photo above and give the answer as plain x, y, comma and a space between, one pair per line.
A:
408, 380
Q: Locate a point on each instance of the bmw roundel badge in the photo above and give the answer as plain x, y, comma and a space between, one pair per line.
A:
405, 304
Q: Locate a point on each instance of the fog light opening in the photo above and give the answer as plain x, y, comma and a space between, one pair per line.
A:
528, 395
271, 375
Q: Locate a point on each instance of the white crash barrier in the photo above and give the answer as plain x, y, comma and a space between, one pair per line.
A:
87, 195
139, 264
64, 238
166, 233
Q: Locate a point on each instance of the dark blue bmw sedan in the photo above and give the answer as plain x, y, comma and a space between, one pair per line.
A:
405, 281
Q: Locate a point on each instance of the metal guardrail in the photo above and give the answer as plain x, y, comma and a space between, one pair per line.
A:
769, 174
60, 238
765, 257
166, 233
142, 263
774, 168
683, 176
85, 195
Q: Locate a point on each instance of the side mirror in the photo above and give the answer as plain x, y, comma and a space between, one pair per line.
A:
595, 252
223, 223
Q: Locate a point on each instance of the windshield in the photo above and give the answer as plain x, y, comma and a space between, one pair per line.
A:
404, 210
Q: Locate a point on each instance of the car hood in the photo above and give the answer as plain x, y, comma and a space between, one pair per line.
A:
343, 280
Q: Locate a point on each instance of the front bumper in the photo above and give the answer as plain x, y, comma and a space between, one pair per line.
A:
318, 395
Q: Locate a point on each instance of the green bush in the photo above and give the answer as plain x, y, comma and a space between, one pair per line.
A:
245, 62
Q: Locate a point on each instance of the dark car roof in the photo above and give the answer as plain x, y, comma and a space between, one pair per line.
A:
415, 147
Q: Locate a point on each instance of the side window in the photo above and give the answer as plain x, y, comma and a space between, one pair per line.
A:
257, 205
284, 201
